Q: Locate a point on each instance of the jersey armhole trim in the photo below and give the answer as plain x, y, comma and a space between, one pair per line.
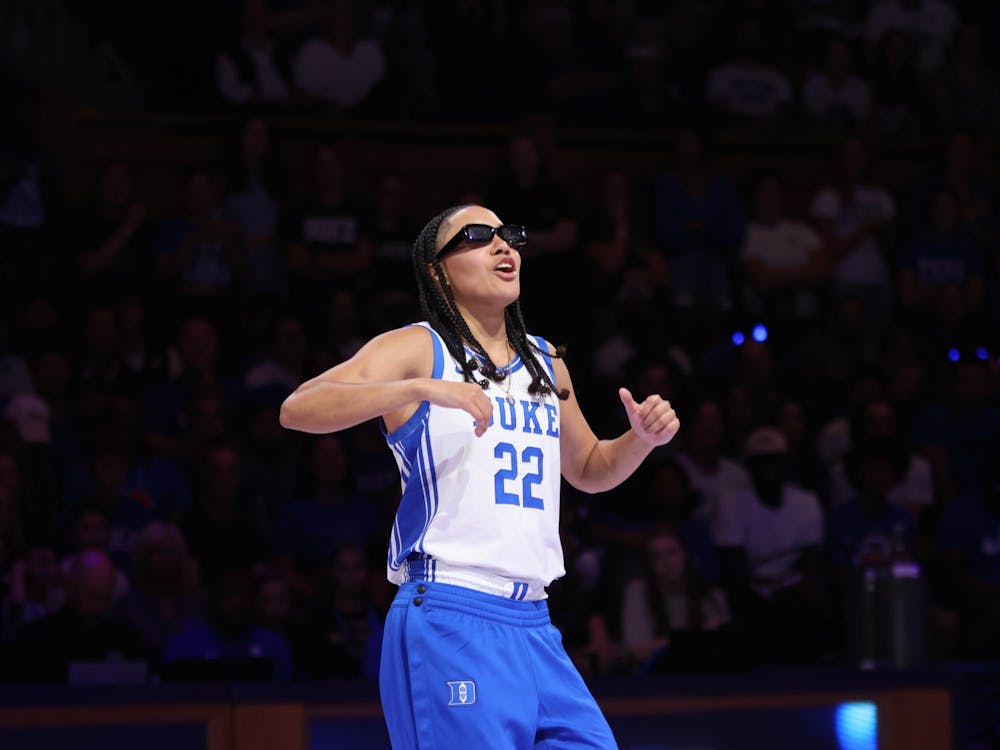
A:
409, 428
417, 419
546, 357
438, 369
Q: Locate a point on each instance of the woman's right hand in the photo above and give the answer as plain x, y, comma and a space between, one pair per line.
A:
469, 397
388, 377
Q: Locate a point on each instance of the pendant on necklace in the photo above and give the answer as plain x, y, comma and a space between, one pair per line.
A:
510, 399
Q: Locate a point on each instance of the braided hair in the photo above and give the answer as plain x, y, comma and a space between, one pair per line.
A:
438, 306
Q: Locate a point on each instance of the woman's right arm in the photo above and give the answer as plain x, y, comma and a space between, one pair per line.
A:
389, 377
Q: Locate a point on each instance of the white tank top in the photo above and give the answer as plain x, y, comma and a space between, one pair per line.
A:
480, 512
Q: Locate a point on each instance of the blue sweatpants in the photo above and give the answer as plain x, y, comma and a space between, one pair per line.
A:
464, 669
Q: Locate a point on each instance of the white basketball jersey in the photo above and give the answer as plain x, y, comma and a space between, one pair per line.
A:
480, 512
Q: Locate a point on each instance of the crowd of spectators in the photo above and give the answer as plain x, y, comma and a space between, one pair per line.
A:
896, 67
833, 357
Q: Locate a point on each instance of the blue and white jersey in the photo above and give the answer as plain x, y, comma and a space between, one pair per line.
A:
480, 512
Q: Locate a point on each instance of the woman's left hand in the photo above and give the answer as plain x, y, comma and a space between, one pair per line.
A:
654, 420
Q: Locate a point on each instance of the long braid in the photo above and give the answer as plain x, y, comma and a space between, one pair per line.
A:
461, 327
541, 382
437, 304
440, 311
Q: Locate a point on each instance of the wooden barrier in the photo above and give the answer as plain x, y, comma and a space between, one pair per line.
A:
913, 716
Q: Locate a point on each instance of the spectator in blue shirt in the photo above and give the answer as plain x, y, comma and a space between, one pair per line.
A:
309, 530
943, 258
198, 253
869, 520
699, 225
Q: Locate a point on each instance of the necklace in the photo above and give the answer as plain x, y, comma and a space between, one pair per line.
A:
504, 384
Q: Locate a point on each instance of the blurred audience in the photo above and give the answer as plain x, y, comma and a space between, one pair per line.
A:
82, 630
846, 305
226, 643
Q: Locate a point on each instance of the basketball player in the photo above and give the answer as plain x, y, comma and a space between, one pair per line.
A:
482, 420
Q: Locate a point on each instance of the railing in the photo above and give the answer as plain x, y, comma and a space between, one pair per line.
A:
435, 159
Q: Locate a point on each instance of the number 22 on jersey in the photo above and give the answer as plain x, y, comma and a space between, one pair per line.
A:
527, 466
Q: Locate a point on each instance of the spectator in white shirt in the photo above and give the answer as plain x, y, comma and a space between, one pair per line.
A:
770, 538
342, 68
711, 474
834, 96
784, 259
771, 523
749, 87
914, 488
853, 216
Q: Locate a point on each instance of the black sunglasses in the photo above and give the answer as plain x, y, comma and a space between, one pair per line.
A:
513, 234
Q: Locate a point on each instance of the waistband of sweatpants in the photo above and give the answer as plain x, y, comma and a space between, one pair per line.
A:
429, 569
437, 595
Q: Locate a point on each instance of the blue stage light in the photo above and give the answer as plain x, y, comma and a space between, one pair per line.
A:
954, 355
738, 338
759, 332
982, 353
857, 726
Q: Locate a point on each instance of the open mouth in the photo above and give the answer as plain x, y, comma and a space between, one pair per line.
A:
506, 266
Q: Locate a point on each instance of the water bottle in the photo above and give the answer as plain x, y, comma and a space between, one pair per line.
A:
863, 594
906, 607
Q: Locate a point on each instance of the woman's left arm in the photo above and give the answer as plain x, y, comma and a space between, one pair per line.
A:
593, 465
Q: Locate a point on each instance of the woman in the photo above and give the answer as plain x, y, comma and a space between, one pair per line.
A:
670, 597
469, 655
